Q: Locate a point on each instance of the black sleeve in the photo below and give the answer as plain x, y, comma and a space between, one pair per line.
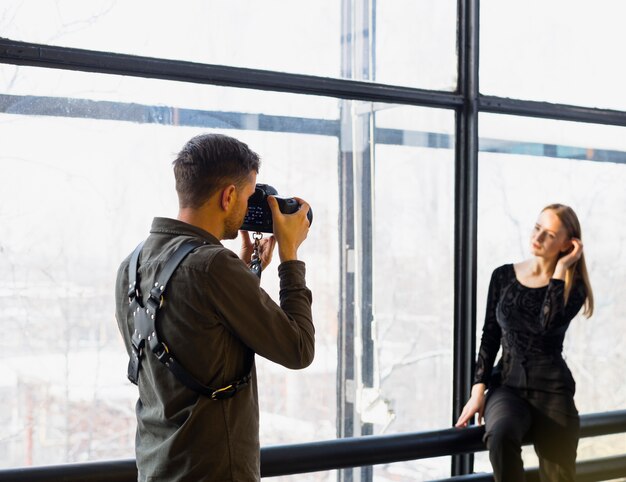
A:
490, 340
554, 311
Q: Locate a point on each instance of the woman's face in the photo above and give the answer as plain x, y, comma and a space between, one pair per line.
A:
549, 238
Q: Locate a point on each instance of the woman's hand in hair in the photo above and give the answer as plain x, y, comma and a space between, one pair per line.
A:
475, 405
573, 255
569, 259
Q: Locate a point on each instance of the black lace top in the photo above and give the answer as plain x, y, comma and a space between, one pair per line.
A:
530, 325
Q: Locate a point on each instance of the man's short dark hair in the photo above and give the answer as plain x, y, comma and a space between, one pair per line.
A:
209, 162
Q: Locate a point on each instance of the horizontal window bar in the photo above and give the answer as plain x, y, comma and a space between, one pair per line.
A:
39, 55
546, 110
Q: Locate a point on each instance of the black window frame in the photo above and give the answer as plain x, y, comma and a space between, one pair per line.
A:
466, 101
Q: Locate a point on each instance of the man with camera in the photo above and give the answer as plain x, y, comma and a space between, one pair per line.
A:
192, 316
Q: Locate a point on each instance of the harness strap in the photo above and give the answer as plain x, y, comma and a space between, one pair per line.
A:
170, 266
133, 275
192, 383
145, 317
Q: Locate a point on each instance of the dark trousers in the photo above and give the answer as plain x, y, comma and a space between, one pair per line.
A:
551, 420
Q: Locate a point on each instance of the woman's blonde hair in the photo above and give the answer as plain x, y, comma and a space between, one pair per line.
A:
578, 271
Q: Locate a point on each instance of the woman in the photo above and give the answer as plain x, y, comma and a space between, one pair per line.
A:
531, 390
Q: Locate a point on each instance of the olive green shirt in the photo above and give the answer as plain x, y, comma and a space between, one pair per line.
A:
214, 318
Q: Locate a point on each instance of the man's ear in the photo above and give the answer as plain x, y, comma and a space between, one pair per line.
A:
228, 197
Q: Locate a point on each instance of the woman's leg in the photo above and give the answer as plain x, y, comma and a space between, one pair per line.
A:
507, 420
556, 430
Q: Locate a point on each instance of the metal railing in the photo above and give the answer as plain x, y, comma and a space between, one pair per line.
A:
606, 468
353, 452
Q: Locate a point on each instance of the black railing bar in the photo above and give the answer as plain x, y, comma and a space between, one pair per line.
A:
363, 451
325, 455
286, 459
66, 58
603, 423
605, 468
124, 470
366, 451
547, 110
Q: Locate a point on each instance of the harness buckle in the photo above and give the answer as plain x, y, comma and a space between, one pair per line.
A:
223, 393
134, 364
230, 390
161, 351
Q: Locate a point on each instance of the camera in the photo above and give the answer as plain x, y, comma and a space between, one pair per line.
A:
259, 215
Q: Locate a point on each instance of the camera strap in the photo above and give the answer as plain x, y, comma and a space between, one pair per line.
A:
145, 334
255, 260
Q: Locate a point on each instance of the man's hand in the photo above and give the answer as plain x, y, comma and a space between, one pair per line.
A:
266, 249
290, 230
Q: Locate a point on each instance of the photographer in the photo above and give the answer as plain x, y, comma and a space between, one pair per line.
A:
213, 317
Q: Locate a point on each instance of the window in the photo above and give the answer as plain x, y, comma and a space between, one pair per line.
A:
526, 164
74, 195
376, 135
560, 51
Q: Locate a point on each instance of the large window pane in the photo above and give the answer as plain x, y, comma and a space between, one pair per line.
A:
69, 201
526, 164
408, 43
416, 43
73, 191
413, 279
275, 34
564, 51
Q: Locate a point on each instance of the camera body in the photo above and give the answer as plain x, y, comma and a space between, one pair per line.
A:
259, 215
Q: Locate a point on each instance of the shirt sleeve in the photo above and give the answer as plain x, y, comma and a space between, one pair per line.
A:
554, 311
283, 334
492, 334
121, 304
